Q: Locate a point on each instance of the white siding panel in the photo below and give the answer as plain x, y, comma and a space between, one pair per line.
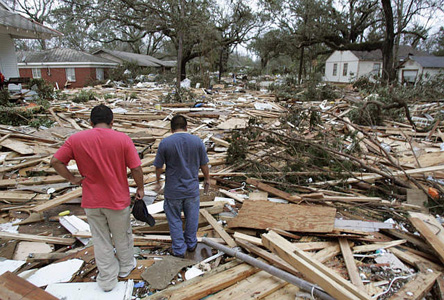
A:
8, 58
339, 58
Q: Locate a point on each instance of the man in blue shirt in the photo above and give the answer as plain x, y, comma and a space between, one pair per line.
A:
182, 154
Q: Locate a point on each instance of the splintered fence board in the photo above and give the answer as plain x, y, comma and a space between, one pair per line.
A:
326, 278
58, 200
417, 287
431, 230
256, 286
14, 287
290, 217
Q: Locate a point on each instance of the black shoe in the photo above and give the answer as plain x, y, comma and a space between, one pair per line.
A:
179, 255
192, 249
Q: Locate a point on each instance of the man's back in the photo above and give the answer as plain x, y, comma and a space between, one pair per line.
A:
102, 156
183, 154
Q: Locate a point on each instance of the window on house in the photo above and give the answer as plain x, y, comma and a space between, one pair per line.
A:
100, 74
36, 73
376, 67
335, 69
345, 70
70, 74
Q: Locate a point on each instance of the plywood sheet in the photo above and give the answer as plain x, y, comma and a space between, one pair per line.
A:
291, 217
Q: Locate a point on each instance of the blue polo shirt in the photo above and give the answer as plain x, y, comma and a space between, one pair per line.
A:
183, 154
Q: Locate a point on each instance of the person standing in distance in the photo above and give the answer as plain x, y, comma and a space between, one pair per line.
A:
182, 154
102, 156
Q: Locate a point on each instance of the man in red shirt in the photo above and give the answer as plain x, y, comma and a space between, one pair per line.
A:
102, 156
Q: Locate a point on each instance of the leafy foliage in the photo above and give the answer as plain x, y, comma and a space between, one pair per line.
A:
84, 96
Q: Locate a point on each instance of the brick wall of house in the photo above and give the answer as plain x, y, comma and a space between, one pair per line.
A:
84, 76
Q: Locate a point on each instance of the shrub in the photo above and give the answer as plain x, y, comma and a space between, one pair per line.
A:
84, 96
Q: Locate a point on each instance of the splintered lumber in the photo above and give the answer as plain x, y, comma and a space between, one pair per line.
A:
23, 197
211, 282
327, 253
218, 228
58, 200
258, 285
330, 281
273, 191
376, 246
417, 287
431, 230
350, 263
291, 217
37, 238
232, 195
22, 165
15, 287
248, 238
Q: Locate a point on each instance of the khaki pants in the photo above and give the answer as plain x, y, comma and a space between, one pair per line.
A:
110, 227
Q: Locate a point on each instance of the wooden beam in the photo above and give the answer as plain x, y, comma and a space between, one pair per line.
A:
218, 228
273, 191
376, 246
330, 281
37, 238
58, 200
350, 263
231, 195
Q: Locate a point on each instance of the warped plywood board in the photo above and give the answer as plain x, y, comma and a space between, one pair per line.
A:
291, 217
425, 159
14, 287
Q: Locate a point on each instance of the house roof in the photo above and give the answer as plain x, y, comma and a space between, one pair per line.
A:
20, 27
141, 59
376, 55
429, 61
61, 55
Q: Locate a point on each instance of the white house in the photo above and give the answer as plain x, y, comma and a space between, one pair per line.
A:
348, 65
14, 25
415, 67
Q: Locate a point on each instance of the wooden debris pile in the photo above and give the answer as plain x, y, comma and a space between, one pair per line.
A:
296, 185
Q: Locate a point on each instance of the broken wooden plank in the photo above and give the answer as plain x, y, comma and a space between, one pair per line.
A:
260, 285
58, 200
376, 246
232, 195
273, 191
350, 264
417, 287
431, 230
330, 281
291, 217
17, 146
14, 287
37, 238
218, 228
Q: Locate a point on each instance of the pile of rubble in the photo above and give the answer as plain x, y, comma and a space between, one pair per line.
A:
308, 202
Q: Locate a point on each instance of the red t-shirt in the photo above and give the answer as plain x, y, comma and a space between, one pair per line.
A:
102, 156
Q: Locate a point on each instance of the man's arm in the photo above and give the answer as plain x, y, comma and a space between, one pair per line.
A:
206, 173
63, 171
159, 172
137, 174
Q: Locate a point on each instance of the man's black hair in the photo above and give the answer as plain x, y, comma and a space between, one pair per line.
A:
101, 114
178, 122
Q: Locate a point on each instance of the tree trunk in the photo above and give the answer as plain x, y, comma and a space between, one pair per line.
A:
387, 46
301, 65
180, 49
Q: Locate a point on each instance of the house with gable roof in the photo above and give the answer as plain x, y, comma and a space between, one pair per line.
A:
15, 26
